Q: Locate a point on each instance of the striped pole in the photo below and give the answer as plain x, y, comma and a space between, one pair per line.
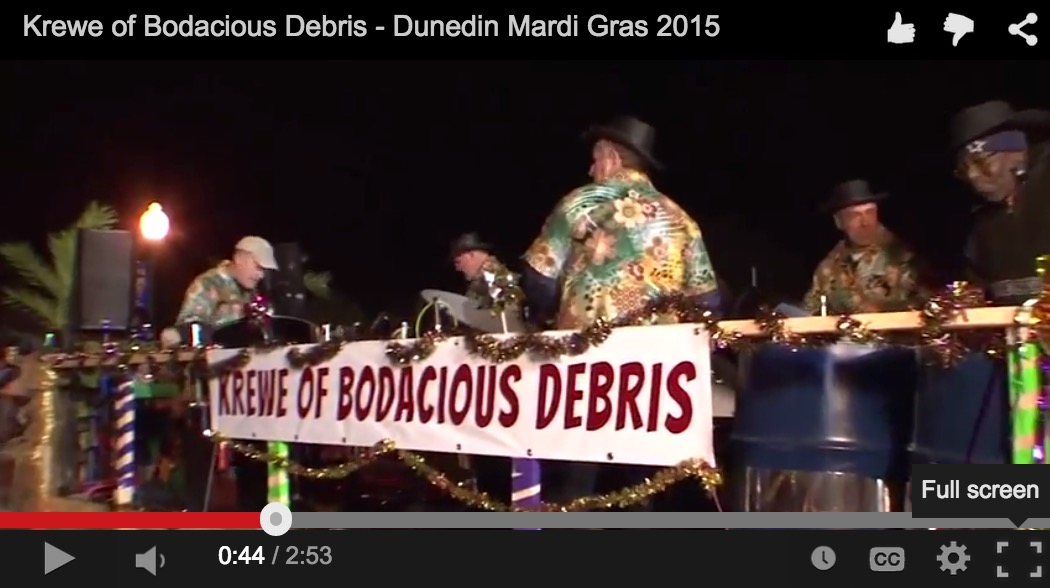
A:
525, 484
279, 487
124, 448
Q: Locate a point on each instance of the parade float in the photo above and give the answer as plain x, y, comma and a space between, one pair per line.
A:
825, 418
830, 414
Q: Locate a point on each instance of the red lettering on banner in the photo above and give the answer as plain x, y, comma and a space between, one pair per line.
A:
366, 393
510, 376
548, 402
574, 393
591, 385
676, 392
594, 396
458, 395
223, 382
426, 410
346, 394
385, 396
254, 392
249, 392
632, 378
602, 376
406, 410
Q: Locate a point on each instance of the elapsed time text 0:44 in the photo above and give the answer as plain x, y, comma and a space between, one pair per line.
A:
279, 555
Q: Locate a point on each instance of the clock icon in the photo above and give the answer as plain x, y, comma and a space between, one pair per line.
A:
823, 558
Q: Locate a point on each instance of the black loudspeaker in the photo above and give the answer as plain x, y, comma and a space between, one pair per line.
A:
285, 284
103, 281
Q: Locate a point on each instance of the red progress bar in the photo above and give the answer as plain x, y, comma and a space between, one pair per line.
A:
129, 520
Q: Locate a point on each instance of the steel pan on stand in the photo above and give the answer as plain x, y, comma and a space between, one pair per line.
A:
251, 476
823, 430
470, 313
505, 477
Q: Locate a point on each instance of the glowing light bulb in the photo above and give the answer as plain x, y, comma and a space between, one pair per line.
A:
154, 224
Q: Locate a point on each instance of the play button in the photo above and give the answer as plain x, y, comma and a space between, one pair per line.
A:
54, 558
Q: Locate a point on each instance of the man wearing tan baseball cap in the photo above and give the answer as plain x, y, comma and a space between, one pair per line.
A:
218, 296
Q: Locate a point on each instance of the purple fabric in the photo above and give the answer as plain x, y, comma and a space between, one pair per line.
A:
525, 476
1041, 431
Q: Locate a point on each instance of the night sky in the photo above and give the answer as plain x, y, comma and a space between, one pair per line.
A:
374, 167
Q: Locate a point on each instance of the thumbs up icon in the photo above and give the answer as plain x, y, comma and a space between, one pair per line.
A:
959, 25
899, 32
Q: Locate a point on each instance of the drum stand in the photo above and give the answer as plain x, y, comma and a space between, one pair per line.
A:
525, 480
200, 421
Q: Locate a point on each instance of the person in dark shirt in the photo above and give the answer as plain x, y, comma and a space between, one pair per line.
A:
1003, 155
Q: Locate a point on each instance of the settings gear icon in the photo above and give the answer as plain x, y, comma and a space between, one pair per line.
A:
950, 552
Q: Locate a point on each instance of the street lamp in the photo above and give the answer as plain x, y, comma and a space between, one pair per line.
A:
154, 223
153, 228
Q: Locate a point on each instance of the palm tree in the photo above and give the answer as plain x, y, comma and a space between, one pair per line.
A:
47, 282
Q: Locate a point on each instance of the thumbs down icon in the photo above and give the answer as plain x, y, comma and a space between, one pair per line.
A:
958, 25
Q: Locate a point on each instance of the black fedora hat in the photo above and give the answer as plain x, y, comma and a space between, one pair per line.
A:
984, 119
851, 193
468, 242
634, 134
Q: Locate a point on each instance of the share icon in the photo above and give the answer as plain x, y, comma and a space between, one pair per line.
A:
1015, 29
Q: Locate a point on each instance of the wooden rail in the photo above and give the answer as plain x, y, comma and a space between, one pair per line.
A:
974, 318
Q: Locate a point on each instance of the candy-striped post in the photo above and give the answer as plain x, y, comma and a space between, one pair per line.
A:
278, 484
124, 447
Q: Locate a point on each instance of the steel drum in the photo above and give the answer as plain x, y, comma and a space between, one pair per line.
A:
824, 429
962, 412
470, 313
285, 330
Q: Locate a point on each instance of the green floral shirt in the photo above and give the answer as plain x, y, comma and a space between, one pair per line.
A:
214, 298
615, 245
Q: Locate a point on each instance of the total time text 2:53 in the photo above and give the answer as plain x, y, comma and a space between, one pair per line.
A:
279, 555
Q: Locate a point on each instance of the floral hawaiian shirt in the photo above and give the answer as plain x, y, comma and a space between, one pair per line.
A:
615, 245
214, 298
880, 278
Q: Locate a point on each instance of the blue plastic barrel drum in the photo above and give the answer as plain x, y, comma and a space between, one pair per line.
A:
836, 429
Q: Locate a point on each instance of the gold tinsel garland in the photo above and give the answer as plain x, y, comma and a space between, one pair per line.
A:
939, 344
497, 349
710, 478
942, 345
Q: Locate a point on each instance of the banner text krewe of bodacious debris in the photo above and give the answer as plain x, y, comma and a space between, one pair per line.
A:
642, 397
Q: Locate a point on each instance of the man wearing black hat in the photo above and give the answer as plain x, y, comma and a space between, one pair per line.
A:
1003, 155
608, 248
473, 258
870, 270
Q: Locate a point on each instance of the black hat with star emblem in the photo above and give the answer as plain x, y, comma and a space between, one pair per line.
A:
982, 120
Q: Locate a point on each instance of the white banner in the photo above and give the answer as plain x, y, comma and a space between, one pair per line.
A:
642, 397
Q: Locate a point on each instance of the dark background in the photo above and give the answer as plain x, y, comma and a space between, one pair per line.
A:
375, 166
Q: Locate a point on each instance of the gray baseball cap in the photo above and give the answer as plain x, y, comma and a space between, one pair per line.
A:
260, 249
